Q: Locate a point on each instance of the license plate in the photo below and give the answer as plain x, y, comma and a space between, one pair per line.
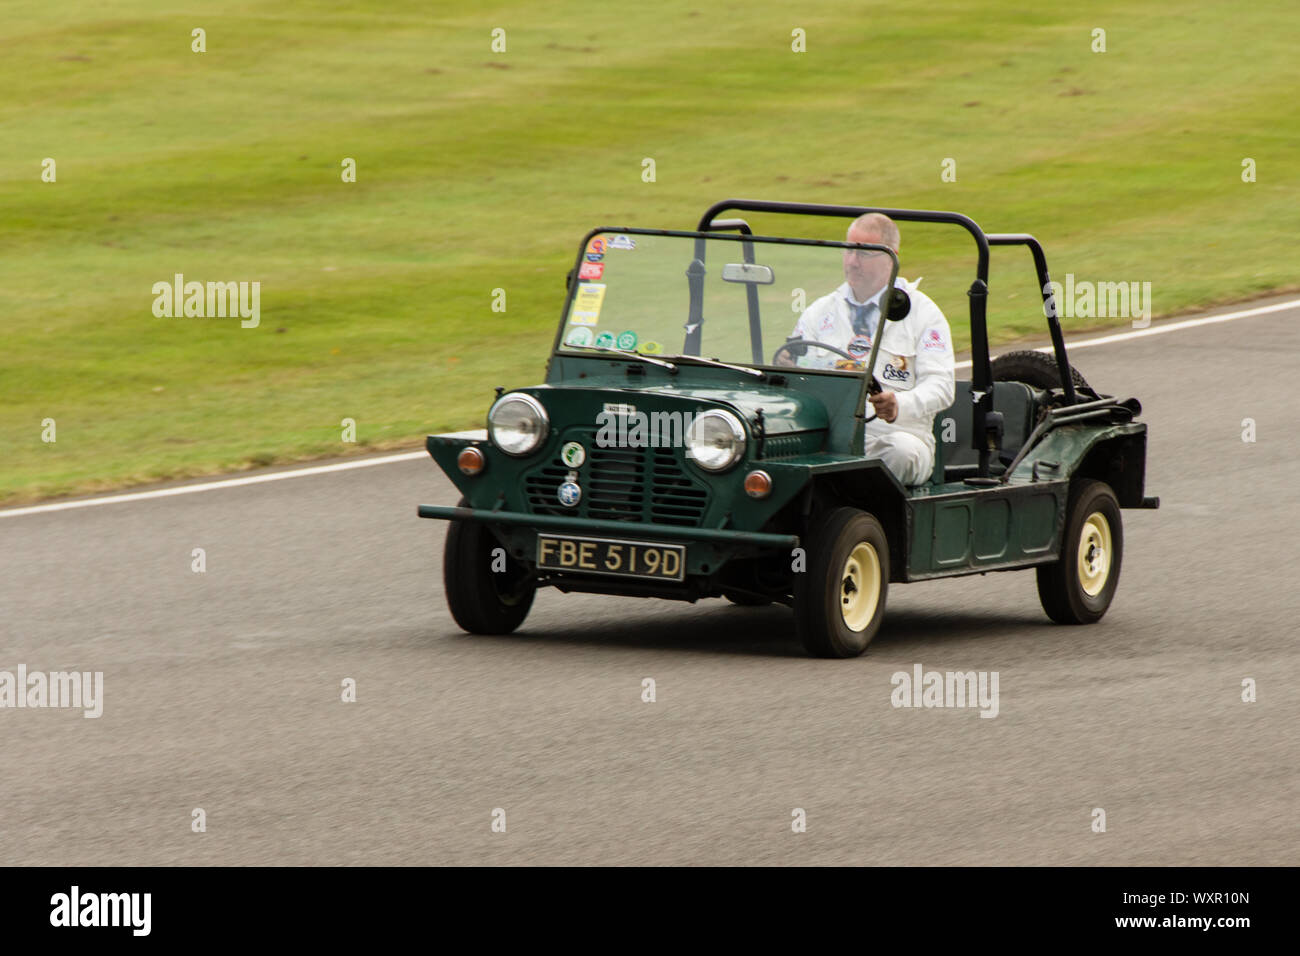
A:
610, 556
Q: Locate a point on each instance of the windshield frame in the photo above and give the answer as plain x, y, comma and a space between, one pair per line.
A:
711, 236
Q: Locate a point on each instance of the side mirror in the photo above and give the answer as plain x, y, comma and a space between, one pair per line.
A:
900, 303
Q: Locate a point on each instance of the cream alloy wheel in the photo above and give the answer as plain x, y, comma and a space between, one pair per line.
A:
860, 587
1094, 554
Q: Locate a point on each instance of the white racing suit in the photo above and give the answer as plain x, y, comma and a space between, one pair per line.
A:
915, 362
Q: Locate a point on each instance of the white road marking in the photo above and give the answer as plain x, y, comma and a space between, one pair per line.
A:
213, 485
480, 434
1165, 327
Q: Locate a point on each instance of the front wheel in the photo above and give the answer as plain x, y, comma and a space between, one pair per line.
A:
487, 591
839, 601
1079, 587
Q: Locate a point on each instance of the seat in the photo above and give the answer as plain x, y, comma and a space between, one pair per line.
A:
955, 460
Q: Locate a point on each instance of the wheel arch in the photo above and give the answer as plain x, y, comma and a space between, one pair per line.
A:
1120, 462
869, 487
1115, 454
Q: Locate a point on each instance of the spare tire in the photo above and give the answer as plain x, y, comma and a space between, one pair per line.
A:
1035, 369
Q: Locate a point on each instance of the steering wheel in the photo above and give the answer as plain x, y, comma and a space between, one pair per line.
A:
786, 346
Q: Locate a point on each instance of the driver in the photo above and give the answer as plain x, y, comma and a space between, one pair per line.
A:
915, 362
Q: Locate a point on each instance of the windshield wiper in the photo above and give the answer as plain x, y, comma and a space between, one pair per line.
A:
716, 364
626, 353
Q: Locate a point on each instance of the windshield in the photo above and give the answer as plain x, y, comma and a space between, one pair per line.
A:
721, 296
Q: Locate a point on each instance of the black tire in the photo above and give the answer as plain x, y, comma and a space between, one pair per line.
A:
482, 601
823, 590
1062, 589
1035, 369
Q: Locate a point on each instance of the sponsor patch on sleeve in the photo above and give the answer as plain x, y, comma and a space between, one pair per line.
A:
934, 341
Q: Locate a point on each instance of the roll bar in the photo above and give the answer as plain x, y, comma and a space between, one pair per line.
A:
986, 430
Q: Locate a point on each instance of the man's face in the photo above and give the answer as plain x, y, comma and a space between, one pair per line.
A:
865, 270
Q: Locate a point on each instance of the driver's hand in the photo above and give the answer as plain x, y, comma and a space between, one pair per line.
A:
784, 357
885, 404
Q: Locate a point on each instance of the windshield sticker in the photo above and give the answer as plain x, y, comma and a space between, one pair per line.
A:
596, 246
651, 348
627, 340
591, 270
622, 242
586, 304
605, 340
579, 336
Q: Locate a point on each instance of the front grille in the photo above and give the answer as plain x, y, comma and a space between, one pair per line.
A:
621, 484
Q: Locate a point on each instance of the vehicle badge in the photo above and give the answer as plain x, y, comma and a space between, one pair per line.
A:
573, 454
569, 494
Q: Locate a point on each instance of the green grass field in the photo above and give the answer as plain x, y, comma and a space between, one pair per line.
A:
479, 170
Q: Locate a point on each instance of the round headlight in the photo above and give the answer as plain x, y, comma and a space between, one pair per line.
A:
517, 424
715, 440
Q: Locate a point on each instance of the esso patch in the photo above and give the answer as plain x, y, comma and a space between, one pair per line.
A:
859, 346
896, 370
933, 341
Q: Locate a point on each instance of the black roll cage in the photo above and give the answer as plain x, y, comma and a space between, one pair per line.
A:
985, 428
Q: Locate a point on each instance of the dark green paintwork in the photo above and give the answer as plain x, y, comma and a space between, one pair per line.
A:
813, 428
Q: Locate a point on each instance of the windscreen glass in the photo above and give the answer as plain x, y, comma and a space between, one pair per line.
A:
730, 299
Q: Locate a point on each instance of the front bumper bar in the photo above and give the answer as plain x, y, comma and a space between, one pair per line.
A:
649, 532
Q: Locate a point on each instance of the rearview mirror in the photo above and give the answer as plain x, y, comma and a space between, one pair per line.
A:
748, 272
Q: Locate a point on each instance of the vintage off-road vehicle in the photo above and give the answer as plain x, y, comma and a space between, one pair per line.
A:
674, 451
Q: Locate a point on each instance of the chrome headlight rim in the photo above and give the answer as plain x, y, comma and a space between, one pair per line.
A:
737, 434
544, 427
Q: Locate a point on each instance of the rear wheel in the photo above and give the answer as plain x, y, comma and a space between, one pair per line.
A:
487, 591
1079, 587
839, 601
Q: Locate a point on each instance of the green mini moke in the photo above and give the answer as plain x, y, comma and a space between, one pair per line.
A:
674, 451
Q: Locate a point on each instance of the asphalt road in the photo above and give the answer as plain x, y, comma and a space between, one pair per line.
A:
222, 689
